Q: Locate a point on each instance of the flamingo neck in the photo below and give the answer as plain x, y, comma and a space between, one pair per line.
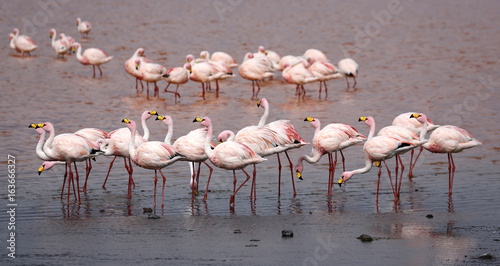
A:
423, 132
54, 39
39, 146
263, 119
372, 130
312, 160
131, 144
145, 127
48, 144
368, 167
207, 148
170, 132
79, 53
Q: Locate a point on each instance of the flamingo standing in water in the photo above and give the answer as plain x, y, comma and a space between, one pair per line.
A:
67, 39
131, 68
84, 27
315, 55
449, 139
405, 120
332, 138
21, 43
204, 72
150, 72
299, 75
288, 137
60, 46
152, 155
273, 57
324, 71
220, 57
377, 149
255, 70
93, 135
230, 155
178, 76
91, 56
349, 68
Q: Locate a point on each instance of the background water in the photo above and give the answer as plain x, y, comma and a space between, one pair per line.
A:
439, 58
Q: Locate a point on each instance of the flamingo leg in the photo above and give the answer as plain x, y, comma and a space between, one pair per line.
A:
234, 181
347, 81
291, 172
208, 182
64, 181
258, 85
70, 178
297, 90
167, 87
343, 161
217, 89
326, 90
198, 176
88, 168
333, 173
130, 180
378, 182
451, 172
234, 193
100, 71
174, 92
203, 90
253, 89
109, 170
330, 162
390, 178
147, 88
156, 180
142, 85
279, 175
93, 67
156, 91
355, 82
136, 83
397, 176
320, 84
401, 177
253, 189
77, 183
410, 174
163, 189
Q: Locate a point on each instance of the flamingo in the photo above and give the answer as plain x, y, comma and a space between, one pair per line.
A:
60, 46
299, 75
221, 57
91, 56
288, 138
349, 68
449, 139
315, 55
178, 76
84, 27
150, 72
324, 71
70, 148
93, 135
377, 149
117, 145
332, 138
230, 155
255, 70
204, 72
273, 57
151, 155
192, 146
130, 66
67, 39
292, 60
405, 120
21, 43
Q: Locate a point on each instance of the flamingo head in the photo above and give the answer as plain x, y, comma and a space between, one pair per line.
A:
225, 136
52, 33
262, 50
367, 119
15, 31
140, 52
263, 103
46, 166
188, 67
130, 123
298, 170
166, 119
248, 56
137, 64
204, 55
314, 121
11, 36
47, 126
345, 176
147, 114
78, 20
205, 121
189, 58
75, 46
422, 118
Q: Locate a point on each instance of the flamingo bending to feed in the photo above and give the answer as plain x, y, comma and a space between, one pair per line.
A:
288, 138
230, 155
60, 46
178, 76
150, 72
205, 72
405, 120
349, 68
21, 43
450, 139
67, 39
314, 55
299, 75
192, 146
151, 155
377, 149
332, 138
91, 56
84, 27
291, 60
130, 66
255, 69
117, 145
324, 71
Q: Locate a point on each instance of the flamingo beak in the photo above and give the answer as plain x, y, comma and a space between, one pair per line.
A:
341, 180
299, 175
198, 119
258, 104
40, 170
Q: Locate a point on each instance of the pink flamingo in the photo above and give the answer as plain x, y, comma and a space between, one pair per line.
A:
288, 138
21, 43
204, 72
93, 135
349, 68
324, 71
273, 57
450, 139
332, 138
150, 72
67, 39
60, 46
130, 66
91, 56
315, 55
178, 76
299, 75
255, 70
405, 120
230, 155
220, 57
84, 27
152, 155
117, 145
377, 149
291, 60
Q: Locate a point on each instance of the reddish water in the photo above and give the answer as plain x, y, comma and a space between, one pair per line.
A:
437, 58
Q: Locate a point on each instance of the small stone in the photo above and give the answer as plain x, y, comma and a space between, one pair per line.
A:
101, 211
237, 231
287, 233
365, 238
254, 240
147, 210
430, 216
416, 189
153, 216
486, 256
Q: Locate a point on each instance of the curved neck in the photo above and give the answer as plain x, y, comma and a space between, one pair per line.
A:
145, 128
54, 39
48, 144
312, 160
207, 148
424, 129
131, 144
170, 132
372, 130
263, 119
39, 146
368, 166
79, 53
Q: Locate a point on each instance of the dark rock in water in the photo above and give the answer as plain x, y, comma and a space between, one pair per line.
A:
430, 216
147, 210
254, 240
486, 256
416, 189
365, 238
287, 233
251, 245
153, 216
237, 231
101, 211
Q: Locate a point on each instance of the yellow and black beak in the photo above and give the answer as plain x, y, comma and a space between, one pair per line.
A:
136, 66
198, 119
341, 180
299, 175
309, 119
40, 170
415, 115
153, 113
363, 118
50, 35
258, 103
32, 126
160, 117
126, 121
378, 163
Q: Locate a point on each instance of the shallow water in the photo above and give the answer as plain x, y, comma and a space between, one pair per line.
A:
436, 58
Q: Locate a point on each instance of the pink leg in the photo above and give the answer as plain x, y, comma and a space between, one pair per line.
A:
156, 180
198, 176
279, 175
253, 189
136, 83
415, 162
147, 88
378, 182
157, 90
208, 182
93, 67
167, 87
401, 177
343, 159
253, 89
320, 84
231, 201
355, 82
397, 176
390, 178
70, 178
234, 182
326, 90
163, 189
142, 85
330, 163
109, 170
291, 172
203, 90
217, 89
100, 71
64, 181
333, 172
88, 168
77, 183
451, 172
258, 85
